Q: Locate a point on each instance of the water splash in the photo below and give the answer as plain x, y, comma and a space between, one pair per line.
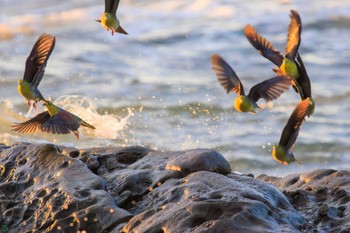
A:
108, 126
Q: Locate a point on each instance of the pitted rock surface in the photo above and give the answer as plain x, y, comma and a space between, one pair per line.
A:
322, 196
48, 188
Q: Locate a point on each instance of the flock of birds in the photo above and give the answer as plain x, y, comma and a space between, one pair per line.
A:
290, 71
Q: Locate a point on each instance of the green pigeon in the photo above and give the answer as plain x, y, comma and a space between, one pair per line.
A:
282, 152
109, 20
35, 69
292, 63
55, 120
266, 49
269, 89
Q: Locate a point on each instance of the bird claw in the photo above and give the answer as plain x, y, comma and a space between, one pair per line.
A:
76, 133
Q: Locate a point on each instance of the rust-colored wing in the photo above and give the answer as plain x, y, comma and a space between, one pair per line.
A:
226, 75
293, 38
32, 125
264, 47
37, 59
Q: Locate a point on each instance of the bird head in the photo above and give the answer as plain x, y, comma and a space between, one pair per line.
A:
282, 155
244, 104
20, 82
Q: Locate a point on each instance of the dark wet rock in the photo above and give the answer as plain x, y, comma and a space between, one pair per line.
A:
321, 196
48, 188
42, 189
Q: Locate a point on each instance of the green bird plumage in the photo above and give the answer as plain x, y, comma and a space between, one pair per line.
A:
55, 120
109, 20
269, 89
35, 69
283, 151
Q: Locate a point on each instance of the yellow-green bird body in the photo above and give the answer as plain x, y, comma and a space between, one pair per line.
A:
29, 92
109, 20
282, 152
55, 120
290, 67
244, 104
35, 69
269, 89
282, 155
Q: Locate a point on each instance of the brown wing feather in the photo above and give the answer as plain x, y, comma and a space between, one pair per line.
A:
111, 6
293, 38
264, 47
270, 89
37, 59
108, 6
291, 130
63, 122
226, 75
32, 125
115, 6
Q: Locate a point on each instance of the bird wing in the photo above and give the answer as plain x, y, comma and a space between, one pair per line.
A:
226, 75
61, 123
291, 129
303, 79
270, 89
111, 6
37, 59
32, 125
293, 38
264, 47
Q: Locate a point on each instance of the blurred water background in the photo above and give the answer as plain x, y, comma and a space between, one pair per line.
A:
155, 86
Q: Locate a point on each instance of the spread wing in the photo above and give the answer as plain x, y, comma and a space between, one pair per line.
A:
293, 39
291, 130
111, 6
303, 79
37, 59
264, 47
226, 75
32, 125
270, 89
62, 123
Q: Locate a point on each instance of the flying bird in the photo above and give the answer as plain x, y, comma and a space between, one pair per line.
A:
282, 152
35, 69
55, 120
269, 89
109, 20
266, 49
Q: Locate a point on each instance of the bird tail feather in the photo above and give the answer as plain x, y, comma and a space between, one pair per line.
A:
121, 30
84, 123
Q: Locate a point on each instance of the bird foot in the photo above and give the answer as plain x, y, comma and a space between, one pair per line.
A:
34, 105
76, 133
112, 32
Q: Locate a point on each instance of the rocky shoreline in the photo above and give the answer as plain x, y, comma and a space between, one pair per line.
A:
49, 188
